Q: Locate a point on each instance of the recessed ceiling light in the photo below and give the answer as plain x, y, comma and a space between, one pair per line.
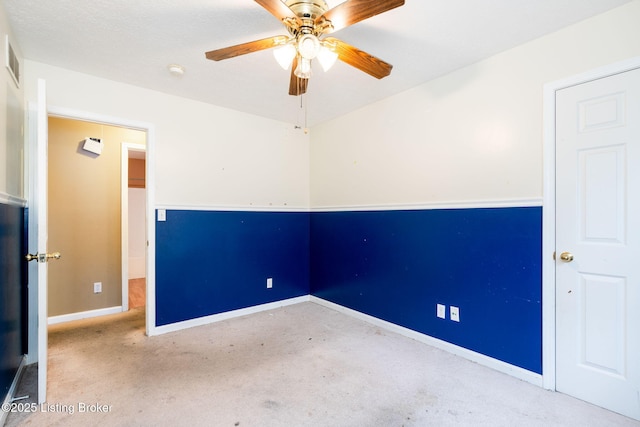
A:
176, 70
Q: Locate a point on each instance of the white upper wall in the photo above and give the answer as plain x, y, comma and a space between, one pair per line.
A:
205, 156
474, 135
11, 122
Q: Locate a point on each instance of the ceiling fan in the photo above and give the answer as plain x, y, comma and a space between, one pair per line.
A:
308, 22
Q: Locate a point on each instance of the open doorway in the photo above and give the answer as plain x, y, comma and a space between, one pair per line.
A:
88, 217
39, 113
134, 239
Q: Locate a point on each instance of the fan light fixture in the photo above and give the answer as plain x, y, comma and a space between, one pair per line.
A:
284, 54
307, 48
303, 70
327, 57
309, 24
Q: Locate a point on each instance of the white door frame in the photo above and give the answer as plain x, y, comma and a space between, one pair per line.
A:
124, 215
39, 197
150, 203
549, 209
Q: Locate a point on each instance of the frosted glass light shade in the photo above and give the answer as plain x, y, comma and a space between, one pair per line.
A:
284, 55
304, 68
327, 58
308, 46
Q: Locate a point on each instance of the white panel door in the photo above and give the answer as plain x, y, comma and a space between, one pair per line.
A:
598, 242
38, 233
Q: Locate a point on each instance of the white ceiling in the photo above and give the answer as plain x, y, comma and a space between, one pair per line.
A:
134, 42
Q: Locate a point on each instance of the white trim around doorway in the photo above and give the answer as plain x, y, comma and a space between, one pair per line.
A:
150, 183
124, 219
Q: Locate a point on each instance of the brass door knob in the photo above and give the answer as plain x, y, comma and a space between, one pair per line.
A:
566, 256
57, 255
43, 257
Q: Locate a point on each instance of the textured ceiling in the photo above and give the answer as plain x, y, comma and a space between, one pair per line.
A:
134, 42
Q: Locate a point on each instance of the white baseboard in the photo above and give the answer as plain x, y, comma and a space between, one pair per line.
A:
54, 320
12, 390
200, 321
490, 362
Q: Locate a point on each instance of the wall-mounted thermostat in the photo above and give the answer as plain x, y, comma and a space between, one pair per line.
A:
93, 145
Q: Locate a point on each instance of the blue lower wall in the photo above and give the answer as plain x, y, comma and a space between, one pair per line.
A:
397, 265
208, 262
13, 288
394, 265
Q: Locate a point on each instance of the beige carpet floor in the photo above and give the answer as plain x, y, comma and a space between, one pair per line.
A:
303, 365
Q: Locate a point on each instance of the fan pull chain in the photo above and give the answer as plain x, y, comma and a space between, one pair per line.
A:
306, 110
303, 109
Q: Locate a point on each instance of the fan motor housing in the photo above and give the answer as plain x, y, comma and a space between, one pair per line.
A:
309, 9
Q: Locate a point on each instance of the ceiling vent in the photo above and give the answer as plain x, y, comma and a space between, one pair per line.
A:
12, 63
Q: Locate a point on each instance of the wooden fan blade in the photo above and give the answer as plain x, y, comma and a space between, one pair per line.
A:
297, 86
244, 48
352, 11
278, 9
360, 59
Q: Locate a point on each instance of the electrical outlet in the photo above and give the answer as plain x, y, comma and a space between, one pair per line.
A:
454, 313
441, 311
97, 287
269, 283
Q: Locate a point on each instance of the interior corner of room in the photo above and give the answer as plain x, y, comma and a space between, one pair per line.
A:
435, 212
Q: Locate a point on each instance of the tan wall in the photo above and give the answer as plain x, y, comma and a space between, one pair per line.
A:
84, 215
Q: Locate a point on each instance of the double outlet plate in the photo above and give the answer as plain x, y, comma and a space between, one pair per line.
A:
454, 312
